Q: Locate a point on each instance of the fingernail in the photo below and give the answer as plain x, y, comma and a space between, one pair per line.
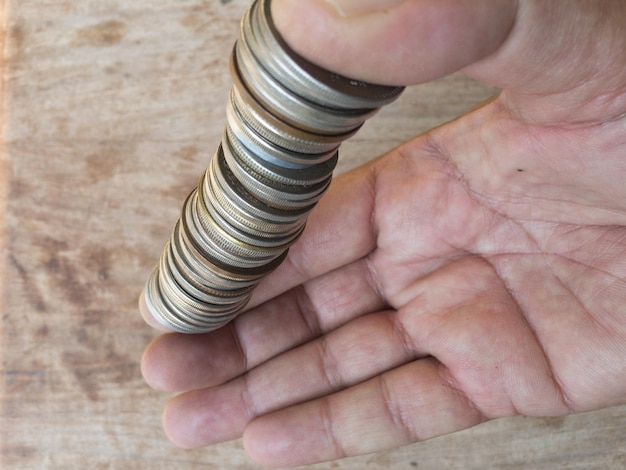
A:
362, 7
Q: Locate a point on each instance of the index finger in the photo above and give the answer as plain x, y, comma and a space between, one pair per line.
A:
339, 231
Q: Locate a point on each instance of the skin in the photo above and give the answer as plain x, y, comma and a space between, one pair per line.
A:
477, 271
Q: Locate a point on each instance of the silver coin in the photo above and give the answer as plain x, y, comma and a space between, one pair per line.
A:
242, 220
208, 214
214, 269
246, 234
264, 217
268, 150
285, 120
301, 113
276, 130
226, 249
169, 315
307, 79
272, 193
254, 159
209, 295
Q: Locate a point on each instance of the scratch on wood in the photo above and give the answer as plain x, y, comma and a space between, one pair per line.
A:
33, 293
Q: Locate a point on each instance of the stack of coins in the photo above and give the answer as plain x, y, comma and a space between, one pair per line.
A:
285, 121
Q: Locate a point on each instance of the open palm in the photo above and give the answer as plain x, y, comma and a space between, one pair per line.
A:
478, 271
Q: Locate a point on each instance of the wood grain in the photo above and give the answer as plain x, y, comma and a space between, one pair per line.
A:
111, 110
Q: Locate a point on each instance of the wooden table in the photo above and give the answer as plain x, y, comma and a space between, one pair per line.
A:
111, 110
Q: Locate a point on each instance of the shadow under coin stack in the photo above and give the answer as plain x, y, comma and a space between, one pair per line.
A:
285, 121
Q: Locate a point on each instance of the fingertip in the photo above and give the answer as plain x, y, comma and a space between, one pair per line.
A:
154, 364
173, 363
146, 366
265, 444
204, 417
288, 438
148, 315
178, 426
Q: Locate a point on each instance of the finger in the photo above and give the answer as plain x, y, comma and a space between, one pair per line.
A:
147, 315
175, 362
411, 403
410, 42
534, 48
356, 352
339, 231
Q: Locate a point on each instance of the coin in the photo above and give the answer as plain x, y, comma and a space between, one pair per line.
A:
309, 80
285, 121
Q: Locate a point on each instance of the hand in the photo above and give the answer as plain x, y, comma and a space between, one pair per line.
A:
476, 272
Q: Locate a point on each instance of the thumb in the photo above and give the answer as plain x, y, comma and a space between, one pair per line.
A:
395, 42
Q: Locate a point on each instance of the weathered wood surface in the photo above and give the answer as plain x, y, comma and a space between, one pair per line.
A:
111, 110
